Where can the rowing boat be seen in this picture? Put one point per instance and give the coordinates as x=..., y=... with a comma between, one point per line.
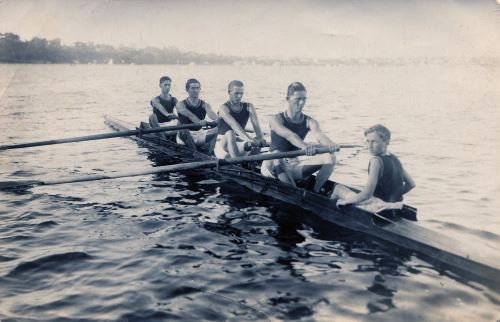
x=399, y=229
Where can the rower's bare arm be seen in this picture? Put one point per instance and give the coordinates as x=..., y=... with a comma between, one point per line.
x=229, y=119
x=255, y=122
x=155, y=102
x=409, y=182
x=181, y=109
x=210, y=113
x=319, y=134
x=369, y=188
x=282, y=131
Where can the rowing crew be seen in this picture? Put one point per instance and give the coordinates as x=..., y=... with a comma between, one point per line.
x=387, y=179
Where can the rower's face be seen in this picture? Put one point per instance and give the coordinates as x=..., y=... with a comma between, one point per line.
x=236, y=94
x=165, y=86
x=375, y=144
x=194, y=90
x=297, y=101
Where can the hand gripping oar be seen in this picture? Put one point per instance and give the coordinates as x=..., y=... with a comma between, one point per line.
x=102, y=136
x=168, y=168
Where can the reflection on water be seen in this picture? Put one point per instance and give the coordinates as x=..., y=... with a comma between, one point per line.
x=192, y=247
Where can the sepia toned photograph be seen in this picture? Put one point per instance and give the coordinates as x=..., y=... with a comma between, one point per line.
x=268, y=160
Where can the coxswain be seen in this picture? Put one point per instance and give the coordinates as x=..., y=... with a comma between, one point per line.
x=387, y=179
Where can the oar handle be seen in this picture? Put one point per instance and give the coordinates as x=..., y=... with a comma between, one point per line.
x=281, y=155
x=349, y=146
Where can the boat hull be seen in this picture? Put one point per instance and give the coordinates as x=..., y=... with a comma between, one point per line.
x=431, y=244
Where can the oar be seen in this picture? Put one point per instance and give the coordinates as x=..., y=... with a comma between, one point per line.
x=168, y=168
x=106, y=135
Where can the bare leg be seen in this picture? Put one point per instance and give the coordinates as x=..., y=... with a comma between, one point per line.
x=232, y=148
x=220, y=149
x=341, y=192
x=323, y=175
x=210, y=141
x=335, y=194
x=153, y=122
x=188, y=139
x=211, y=144
x=282, y=173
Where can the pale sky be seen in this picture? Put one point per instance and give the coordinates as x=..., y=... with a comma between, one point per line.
x=313, y=29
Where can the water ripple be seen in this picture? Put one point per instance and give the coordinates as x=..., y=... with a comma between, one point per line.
x=58, y=263
x=190, y=247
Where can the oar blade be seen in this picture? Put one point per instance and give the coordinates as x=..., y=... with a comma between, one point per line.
x=19, y=183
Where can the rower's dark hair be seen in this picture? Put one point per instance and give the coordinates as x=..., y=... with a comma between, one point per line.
x=234, y=83
x=381, y=130
x=191, y=81
x=165, y=78
x=294, y=87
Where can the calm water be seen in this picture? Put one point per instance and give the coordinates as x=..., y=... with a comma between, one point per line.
x=169, y=247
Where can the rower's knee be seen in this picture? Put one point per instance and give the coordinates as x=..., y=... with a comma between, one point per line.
x=332, y=159
x=186, y=137
x=153, y=121
x=211, y=138
x=229, y=136
x=335, y=194
x=279, y=167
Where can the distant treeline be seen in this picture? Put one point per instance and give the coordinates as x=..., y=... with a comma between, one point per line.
x=39, y=50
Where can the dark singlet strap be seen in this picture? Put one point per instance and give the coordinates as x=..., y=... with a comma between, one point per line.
x=301, y=128
x=241, y=117
x=198, y=110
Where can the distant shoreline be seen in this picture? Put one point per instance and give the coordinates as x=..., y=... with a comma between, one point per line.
x=13, y=50
x=284, y=63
